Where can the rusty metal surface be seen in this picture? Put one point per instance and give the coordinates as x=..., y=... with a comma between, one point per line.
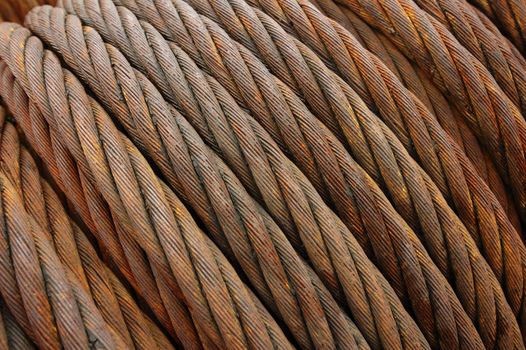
x=277, y=174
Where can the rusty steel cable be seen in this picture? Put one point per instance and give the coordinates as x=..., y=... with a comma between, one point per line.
x=324, y=295
x=382, y=92
x=415, y=80
x=230, y=277
x=513, y=265
x=44, y=296
x=139, y=182
x=11, y=335
x=488, y=47
x=489, y=25
x=514, y=123
x=74, y=248
x=90, y=190
x=509, y=16
x=227, y=173
x=93, y=49
x=114, y=238
x=492, y=116
x=242, y=201
x=192, y=189
x=89, y=204
x=476, y=206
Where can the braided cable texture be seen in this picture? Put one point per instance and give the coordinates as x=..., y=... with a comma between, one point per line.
x=73, y=247
x=136, y=172
x=97, y=21
x=509, y=16
x=493, y=117
x=491, y=231
x=11, y=335
x=64, y=315
x=89, y=204
x=120, y=65
x=366, y=271
x=415, y=80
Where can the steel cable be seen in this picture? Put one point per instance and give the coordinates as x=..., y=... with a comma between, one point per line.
x=45, y=297
x=149, y=98
x=480, y=210
x=489, y=47
x=506, y=114
x=509, y=16
x=493, y=117
x=250, y=214
x=74, y=249
x=163, y=83
x=397, y=108
x=235, y=169
x=115, y=63
x=11, y=335
x=229, y=276
x=415, y=80
x=192, y=187
x=143, y=190
x=90, y=190
x=114, y=238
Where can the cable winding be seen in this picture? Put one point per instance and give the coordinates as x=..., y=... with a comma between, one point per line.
x=488, y=47
x=115, y=63
x=123, y=34
x=509, y=15
x=63, y=315
x=358, y=274
x=11, y=335
x=113, y=237
x=495, y=120
x=127, y=172
x=474, y=206
x=74, y=249
x=415, y=80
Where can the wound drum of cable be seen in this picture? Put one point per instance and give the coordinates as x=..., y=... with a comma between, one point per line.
x=279, y=174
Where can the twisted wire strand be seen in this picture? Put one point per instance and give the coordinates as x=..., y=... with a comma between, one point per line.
x=415, y=80
x=457, y=309
x=465, y=201
x=11, y=335
x=151, y=58
x=509, y=16
x=45, y=297
x=489, y=25
x=276, y=332
x=476, y=206
x=135, y=194
x=486, y=46
x=236, y=188
x=113, y=238
x=286, y=255
x=115, y=303
x=365, y=295
x=312, y=27
x=418, y=130
x=92, y=48
x=494, y=119
x=379, y=89
x=489, y=47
